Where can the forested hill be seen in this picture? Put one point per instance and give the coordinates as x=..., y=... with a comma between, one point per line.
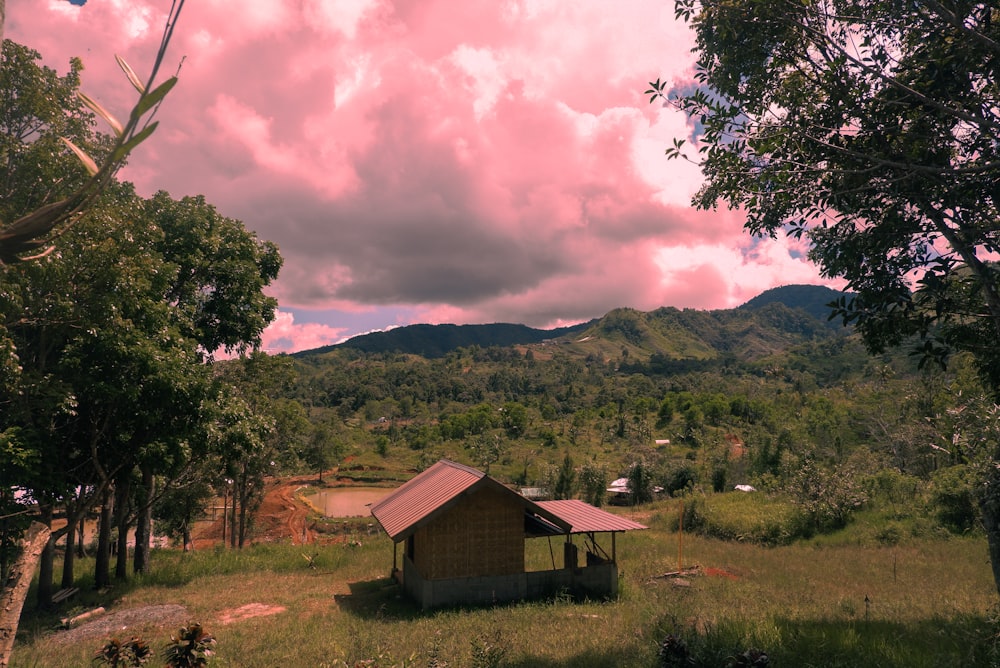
x=813, y=299
x=773, y=321
x=434, y=341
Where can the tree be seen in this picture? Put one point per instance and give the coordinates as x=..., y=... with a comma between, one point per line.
x=323, y=449
x=514, y=417
x=564, y=484
x=594, y=483
x=252, y=425
x=35, y=228
x=640, y=482
x=38, y=107
x=873, y=130
x=62, y=205
x=143, y=301
x=487, y=449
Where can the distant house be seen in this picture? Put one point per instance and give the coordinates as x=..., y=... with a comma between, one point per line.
x=535, y=493
x=463, y=535
x=620, y=494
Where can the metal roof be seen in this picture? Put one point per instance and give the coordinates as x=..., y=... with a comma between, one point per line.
x=419, y=497
x=418, y=500
x=585, y=518
x=432, y=491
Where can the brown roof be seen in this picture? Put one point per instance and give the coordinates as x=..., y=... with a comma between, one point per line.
x=421, y=498
x=418, y=500
x=585, y=518
x=423, y=494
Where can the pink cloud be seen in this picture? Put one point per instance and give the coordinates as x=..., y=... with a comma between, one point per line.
x=285, y=335
x=472, y=162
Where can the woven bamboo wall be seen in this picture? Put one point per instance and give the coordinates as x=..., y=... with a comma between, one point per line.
x=482, y=535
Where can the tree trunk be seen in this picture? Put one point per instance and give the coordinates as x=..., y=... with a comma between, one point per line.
x=990, y=509
x=243, y=491
x=16, y=587
x=46, y=564
x=144, y=521
x=243, y=521
x=81, y=536
x=122, y=490
x=70, y=554
x=232, y=511
x=225, y=515
x=186, y=535
x=102, y=561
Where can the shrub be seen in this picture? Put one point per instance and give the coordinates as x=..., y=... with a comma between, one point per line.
x=118, y=654
x=954, y=498
x=192, y=647
x=827, y=495
x=679, y=478
x=755, y=518
x=673, y=652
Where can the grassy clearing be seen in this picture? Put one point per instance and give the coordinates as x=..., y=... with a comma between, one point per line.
x=929, y=603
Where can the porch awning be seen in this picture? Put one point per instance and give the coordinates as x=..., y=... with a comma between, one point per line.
x=581, y=517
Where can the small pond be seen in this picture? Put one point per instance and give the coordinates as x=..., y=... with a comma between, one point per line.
x=347, y=501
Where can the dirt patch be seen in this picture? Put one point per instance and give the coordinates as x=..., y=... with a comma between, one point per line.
x=281, y=516
x=249, y=611
x=126, y=623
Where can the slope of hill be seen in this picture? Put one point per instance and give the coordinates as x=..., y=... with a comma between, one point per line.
x=699, y=335
x=437, y=340
x=813, y=299
x=773, y=321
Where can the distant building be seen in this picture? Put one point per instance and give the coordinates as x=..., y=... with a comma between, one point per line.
x=535, y=493
x=463, y=535
x=619, y=493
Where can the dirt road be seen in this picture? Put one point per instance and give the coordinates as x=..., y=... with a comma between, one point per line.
x=281, y=516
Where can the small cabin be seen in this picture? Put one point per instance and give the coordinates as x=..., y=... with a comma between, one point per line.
x=463, y=537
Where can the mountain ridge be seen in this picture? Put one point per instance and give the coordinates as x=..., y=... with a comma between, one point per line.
x=769, y=322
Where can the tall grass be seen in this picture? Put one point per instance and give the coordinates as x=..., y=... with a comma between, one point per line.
x=925, y=601
x=754, y=518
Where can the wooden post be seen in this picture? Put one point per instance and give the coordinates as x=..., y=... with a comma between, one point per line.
x=680, y=540
x=16, y=588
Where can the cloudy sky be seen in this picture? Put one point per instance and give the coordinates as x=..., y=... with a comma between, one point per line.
x=428, y=161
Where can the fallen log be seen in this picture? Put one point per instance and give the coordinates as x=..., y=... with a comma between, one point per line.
x=683, y=573
x=70, y=622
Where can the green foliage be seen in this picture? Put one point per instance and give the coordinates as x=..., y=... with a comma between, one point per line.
x=53, y=116
x=487, y=449
x=954, y=497
x=640, y=482
x=873, y=130
x=182, y=504
x=489, y=650
x=678, y=478
x=120, y=654
x=746, y=517
x=38, y=107
x=827, y=495
x=514, y=418
x=594, y=483
x=904, y=158
x=565, y=484
x=190, y=648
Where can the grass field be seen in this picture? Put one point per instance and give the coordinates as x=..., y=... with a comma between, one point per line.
x=926, y=601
